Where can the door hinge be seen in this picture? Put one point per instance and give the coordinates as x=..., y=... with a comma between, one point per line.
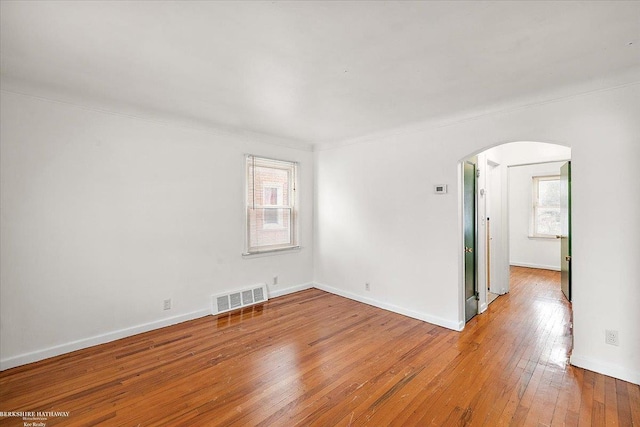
x=477, y=296
x=477, y=173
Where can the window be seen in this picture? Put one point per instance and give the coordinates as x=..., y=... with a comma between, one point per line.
x=546, y=206
x=271, y=213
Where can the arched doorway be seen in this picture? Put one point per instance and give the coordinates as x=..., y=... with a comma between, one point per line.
x=485, y=211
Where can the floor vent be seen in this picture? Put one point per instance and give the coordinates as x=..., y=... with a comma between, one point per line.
x=238, y=299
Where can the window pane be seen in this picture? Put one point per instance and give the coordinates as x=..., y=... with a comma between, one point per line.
x=549, y=192
x=271, y=215
x=264, y=178
x=548, y=221
x=270, y=196
x=270, y=227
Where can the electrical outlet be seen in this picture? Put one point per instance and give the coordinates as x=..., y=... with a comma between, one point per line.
x=275, y=280
x=367, y=287
x=611, y=337
x=167, y=304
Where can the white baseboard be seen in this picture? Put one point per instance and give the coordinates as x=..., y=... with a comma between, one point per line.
x=540, y=266
x=274, y=293
x=605, y=368
x=456, y=326
x=57, y=350
x=483, y=307
x=35, y=356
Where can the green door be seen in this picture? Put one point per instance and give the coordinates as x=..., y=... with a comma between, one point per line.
x=565, y=222
x=469, y=220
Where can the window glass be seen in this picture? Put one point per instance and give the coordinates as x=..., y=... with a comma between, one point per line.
x=546, y=206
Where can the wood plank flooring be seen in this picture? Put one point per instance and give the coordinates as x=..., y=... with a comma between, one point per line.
x=312, y=358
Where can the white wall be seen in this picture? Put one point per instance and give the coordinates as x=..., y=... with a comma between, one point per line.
x=526, y=251
x=497, y=212
x=527, y=152
x=104, y=216
x=378, y=221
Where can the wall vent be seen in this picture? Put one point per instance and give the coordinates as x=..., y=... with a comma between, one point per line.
x=238, y=299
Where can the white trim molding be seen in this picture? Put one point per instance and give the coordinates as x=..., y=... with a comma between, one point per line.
x=605, y=368
x=274, y=293
x=45, y=353
x=539, y=266
x=425, y=317
x=35, y=356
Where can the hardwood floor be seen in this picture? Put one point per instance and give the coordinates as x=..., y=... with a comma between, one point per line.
x=313, y=358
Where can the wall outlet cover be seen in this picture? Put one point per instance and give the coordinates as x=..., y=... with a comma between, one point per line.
x=611, y=337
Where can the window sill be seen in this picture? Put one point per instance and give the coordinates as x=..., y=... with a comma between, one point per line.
x=271, y=252
x=543, y=237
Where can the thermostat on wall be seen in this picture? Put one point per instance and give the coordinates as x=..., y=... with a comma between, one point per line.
x=440, y=189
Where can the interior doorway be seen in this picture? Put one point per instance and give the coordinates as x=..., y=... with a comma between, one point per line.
x=495, y=238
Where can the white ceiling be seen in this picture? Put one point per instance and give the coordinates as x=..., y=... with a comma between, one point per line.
x=312, y=71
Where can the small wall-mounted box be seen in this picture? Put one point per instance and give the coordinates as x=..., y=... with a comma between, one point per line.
x=440, y=189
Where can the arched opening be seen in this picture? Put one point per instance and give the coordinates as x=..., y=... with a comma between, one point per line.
x=511, y=215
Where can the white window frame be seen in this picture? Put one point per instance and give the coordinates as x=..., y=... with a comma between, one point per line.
x=252, y=162
x=536, y=205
